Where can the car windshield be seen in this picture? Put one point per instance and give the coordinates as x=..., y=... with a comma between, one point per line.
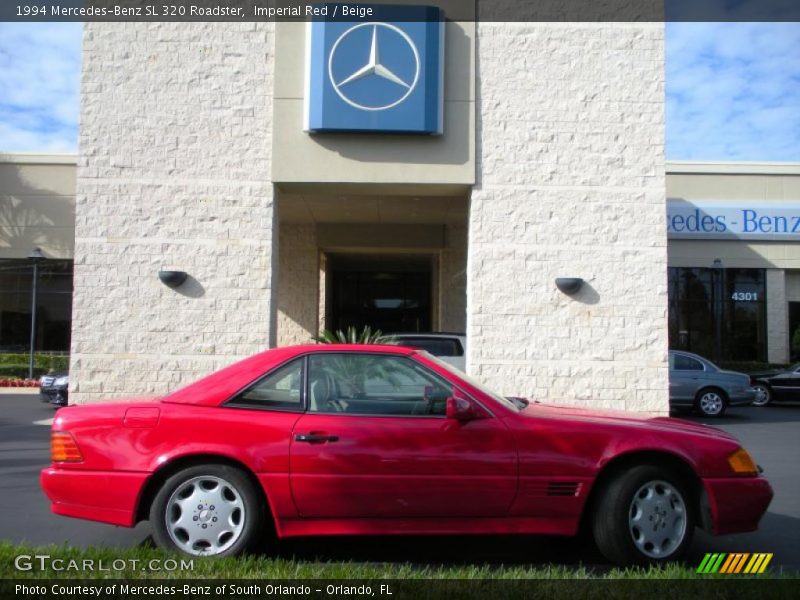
x=473, y=382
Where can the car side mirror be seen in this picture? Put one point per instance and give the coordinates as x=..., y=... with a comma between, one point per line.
x=461, y=409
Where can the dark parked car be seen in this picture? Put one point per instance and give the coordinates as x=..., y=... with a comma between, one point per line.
x=774, y=386
x=53, y=388
x=699, y=384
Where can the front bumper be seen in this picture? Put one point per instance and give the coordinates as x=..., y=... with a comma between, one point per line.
x=742, y=397
x=737, y=504
x=105, y=496
x=57, y=396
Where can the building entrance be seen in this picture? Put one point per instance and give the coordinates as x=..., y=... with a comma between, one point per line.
x=392, y=293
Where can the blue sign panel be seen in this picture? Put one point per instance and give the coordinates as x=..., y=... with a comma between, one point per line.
x=376, y=76
x=733, y=220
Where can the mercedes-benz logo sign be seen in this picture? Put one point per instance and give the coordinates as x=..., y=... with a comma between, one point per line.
x=396, y=88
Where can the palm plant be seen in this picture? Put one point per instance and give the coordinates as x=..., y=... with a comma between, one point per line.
x=353, y=336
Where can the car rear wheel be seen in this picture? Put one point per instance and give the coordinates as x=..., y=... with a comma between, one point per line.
x=763, y=394
x=644, y=516
x=711, y=403
x=207, y=510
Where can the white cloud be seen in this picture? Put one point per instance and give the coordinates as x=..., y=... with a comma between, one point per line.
x=39, y=86
x=733, y=91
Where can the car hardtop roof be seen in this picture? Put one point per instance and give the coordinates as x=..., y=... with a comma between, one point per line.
x=691, y=354
x=386, y=348
x=708, y=363
x=228, y=380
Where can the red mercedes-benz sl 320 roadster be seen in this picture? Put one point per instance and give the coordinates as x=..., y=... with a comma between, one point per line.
x=368, y=439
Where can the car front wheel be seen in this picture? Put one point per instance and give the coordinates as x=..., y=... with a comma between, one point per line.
x=643, y=516
x=207, y=510
x=763, y=395
x=711, y=403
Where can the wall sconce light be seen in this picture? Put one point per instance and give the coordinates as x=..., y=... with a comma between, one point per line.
x=172, y=278
x=569, y=285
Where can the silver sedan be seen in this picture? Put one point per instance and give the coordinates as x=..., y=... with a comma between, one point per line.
x=697, y=383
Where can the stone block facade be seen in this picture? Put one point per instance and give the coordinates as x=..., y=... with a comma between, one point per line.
x=174, y=173
x=571, y=184
x=778, y=334
x=298, y=287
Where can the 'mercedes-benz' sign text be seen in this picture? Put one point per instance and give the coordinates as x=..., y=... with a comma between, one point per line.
x=754, y=221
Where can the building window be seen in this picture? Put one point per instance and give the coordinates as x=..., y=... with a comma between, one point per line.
x=718, y=313
x=53, y=301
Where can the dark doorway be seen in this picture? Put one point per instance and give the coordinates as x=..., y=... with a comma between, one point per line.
x=389, y=292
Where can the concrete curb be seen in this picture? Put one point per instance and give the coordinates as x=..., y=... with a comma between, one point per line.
x=18, y=390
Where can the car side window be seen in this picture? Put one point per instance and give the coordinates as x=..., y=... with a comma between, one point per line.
x=685, y=363
x=374, y=384
x=279, y=389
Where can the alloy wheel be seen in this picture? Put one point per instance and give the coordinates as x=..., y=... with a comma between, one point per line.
x=205, y=515
x=763, y=395
x=657, y=519
x=711, y=404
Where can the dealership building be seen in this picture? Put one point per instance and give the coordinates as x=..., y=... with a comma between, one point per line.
x=411, y=176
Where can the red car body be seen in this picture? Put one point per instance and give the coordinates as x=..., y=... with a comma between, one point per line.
x=528, y=470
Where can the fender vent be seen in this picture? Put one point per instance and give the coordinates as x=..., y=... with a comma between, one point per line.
x=563, y=488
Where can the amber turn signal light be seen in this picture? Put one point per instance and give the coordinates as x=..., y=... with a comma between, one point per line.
x=741, y=462
x=63, y=447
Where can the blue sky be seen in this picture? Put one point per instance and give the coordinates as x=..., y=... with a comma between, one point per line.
x=733, y=89
x=39, y=79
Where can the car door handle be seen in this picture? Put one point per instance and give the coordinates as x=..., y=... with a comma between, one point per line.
x=315, y=438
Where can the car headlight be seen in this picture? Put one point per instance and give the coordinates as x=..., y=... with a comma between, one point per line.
x=61, y=381
x=741, y=462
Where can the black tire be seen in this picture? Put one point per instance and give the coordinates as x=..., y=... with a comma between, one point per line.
x=764, y=395
x=612, y=526
x=235, y=484
x=708, y=398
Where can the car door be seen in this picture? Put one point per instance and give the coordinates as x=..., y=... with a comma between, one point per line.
x=375, y=442
x=685, y=378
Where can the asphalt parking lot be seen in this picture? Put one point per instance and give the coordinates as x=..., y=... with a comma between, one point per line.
x=772, y=435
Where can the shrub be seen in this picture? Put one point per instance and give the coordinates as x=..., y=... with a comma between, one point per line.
x=353, y=336
x=16, y=364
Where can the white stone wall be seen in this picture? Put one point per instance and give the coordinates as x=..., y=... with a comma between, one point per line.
x=778, y=335
x=298, y=287
x=571, y=167
x=174, y=172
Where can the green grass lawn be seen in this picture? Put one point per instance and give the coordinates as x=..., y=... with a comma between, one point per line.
x=255, y=577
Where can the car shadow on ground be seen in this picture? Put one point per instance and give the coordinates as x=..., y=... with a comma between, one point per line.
x=516, y=550
x=783, y=413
